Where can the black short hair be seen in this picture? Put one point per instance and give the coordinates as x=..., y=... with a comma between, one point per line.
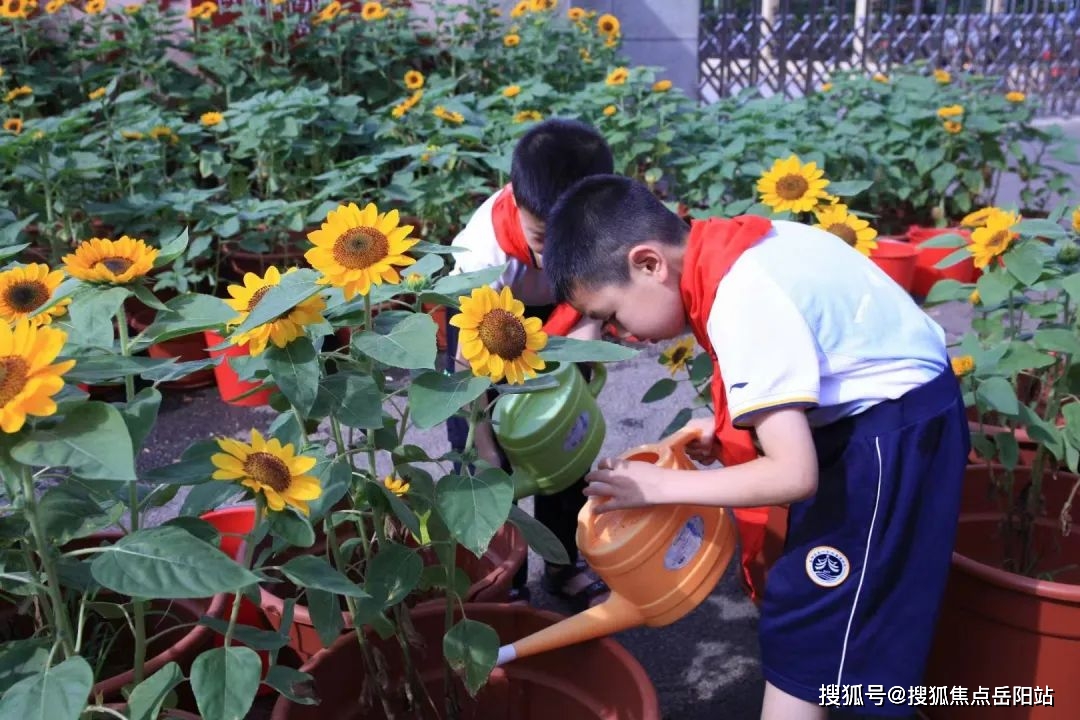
x=595, y=223
x=551, y=157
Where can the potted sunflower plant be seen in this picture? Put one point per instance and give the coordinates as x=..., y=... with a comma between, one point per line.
x=1014, y=590
x=370, y=542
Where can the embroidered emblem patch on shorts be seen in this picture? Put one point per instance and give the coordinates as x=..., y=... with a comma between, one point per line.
x=826, y=566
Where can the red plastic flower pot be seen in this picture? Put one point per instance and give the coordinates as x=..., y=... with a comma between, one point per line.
x=233, y=390
x=925, y=272
x=897, y=258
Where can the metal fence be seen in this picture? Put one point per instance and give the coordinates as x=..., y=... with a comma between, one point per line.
x=790, y=47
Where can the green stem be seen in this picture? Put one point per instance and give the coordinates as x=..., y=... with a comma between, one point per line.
x=52, y=577
x=249, y=553
x=125, y=350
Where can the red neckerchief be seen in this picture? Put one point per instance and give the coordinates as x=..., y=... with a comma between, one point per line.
x=511, y=238
x=712, y=248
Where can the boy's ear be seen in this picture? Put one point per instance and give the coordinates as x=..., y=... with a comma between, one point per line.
x=648, y=259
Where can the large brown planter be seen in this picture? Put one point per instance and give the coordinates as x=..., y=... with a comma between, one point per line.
x=998, y=629
x=491, y=575
x=588, y=681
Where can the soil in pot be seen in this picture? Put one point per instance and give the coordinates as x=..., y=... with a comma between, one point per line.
x=491, y=576
x=998, y=629
x=588, y=681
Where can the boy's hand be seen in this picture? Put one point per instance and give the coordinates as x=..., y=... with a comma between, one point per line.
x=628, y=484
x=703, y=449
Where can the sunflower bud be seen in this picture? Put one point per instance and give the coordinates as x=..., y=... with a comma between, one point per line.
x=1069, y=254
x=415, y=282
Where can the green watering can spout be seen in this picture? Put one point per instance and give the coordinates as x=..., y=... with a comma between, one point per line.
x=552, y=436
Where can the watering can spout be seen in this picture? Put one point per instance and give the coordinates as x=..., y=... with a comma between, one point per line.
x=611, y=616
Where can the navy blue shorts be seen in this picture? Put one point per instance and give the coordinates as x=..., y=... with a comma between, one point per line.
x=854, y=599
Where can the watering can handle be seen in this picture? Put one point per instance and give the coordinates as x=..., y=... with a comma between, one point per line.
x=681, y=438
x=599, y=378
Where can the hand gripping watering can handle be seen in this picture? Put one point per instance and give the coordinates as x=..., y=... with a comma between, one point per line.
x=599, y=378
x=681, y=438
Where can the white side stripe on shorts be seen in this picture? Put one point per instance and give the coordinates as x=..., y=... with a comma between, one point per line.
x=866, y=559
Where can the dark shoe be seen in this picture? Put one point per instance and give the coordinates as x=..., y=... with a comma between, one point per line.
x=559, y=581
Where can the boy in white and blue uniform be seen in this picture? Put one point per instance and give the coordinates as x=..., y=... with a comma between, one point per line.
x=846, y=386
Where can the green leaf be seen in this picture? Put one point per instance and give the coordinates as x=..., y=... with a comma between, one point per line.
x=849, y=188
x=561, y=349
x=355, y=400
x=193, y=468
x=994, y=286
x=1008, y=450
x=295, y=369
x=393, y=573
x=21, y=659
x=1039, y=227
x=947, y=290
x=172, y=249
x=114, y=368
x=56, y=693
x=471, y=649
x=148, y=696
x=68, y=514
x=335, y=476
x=954, y=258
x=410, y=343
x=539, y=537
x=188, y=314
x=1022, y=356
x=1058, y=340
x=455, y=286
x=474, y=508
x=325, y=614
x=434, y=397
x=1071, y=285
x=1025, y=263
x=681, y=418
x=292, y=527
x=141, y=414
x=294, y=288
x=997, y=394
x=92, y=314
x=10, y=251
x=946, y=240
x=291, y=683
x=247, y=635
x=92, y=440
x=148, y=298
x=168, y=562
x=209, y=496
x=225, y=681
x=310, y=571
x=660, y=389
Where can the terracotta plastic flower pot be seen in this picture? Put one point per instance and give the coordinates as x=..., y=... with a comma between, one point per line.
x=594, y=680
x=1000, y=629
x=925, y=272
x=897, y=258
x=238, y=521
x=491, y=575
x=233, y=390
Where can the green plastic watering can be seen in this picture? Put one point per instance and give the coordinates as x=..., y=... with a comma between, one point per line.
x=551, y=436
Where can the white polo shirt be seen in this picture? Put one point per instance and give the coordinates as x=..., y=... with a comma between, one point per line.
x=803, y=319
x=529, y=284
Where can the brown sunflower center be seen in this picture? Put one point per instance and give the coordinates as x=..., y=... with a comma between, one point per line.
x=607, y=27
x=27, y=296
x=679, y=356
x=845, y=232
x=269, y=470
x=361, y=247
x=792, y=187
x=256, y=297
x=116, y=265
x=13, y=369
x=999, y=240
x=503, y=334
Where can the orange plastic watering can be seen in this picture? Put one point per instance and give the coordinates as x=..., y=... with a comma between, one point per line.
x=660, y=562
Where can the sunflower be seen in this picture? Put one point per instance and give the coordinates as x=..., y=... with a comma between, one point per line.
x=962, y=365
x=994, y=238
x=942, y=76
x=24, y=289
x=94, y=7
x=355, y=249
x=611, y=41
x=283, y=329
x=203, y=11
x=96, y=94
x=17, y=8
x=610, y=110
x=1015, y=97
x=396, y=485
x=980, y=217
x=950, y=111
x=1076, y=219
x=27, y=380
x=18, y=93
x=448, y=115
x=952, y=127
x=881, y=78
x=329, y=12
x=528, y=116
x=131, y=135
x=520, y=9
x=54, y=6
x=210, y=119
x=661, y=86
x=585, y=56
x=268, y=467
x=132, y=9
x=852, y=229
x=512, y=40
x=511, y=91
x=161, y=132
x=542, y=5
x=496, y=337
x=13, y=125
x=576, y=14
x=373, y=11
x=414, y=80
x=120, y=262
x=608, y=25
x=677, y=356
x=826, y=87
x=790, y=185
x=974, y=298
x=617, y=76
